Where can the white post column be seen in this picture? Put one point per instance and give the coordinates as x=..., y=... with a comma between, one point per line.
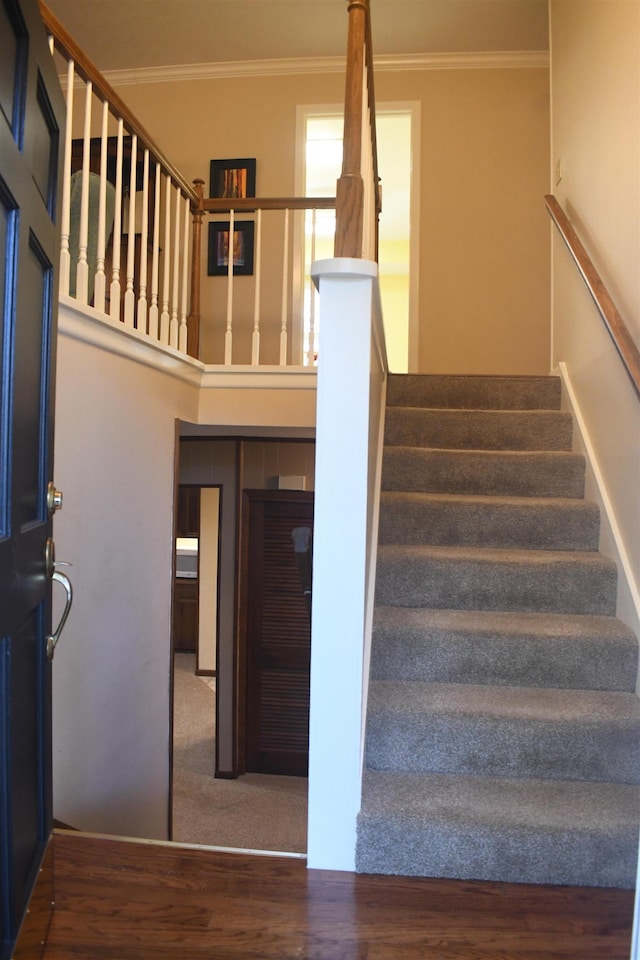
x=342, y=487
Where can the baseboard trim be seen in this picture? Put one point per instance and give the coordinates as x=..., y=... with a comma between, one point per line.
x=628, y=584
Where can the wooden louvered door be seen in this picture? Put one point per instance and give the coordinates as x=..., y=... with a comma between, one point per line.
x=278, y=636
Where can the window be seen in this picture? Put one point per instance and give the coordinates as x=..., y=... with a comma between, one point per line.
x=321, y=132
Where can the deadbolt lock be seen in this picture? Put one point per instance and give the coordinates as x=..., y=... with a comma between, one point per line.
x=54, y=498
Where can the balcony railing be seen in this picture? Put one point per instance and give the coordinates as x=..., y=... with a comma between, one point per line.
x=133, y=247
x=126, y=211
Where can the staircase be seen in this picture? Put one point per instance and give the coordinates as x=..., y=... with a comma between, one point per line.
x=502, y=729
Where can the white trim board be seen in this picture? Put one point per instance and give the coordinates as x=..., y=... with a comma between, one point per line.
x=82, y=322
x=628, y=589
x=502, y=60
x=180, y=845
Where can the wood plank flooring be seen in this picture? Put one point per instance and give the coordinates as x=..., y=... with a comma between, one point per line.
x=135, y=901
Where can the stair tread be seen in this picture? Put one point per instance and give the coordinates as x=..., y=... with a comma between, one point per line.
x=557, y=473
x=574, y=804
x=489, y=413
x=504, y=731
x=479, y=429
x=497, y=521
x=503, y=648
x=500, y=829
x=478, y=391
x=494, y=555
x=494, y=622
x=549, y=705
x=480, y=499
x=482, y=453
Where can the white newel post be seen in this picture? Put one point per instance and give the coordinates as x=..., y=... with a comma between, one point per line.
x=348, y=292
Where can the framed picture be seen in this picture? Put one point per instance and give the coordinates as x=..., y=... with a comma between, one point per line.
x=233, y=178
x=242, y=248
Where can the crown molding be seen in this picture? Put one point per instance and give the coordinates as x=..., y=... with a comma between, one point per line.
x=528, y=59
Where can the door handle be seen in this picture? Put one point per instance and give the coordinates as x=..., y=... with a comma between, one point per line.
x=61, y=578
x=52, y=639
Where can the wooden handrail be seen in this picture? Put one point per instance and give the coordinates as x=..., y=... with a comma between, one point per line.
x=66, y=45
x=624, y=343
x=249, y=204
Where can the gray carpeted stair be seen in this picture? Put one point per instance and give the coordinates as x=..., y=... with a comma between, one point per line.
x=502, y=722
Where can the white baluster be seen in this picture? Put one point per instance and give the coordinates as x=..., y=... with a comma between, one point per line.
x=65, y=259
x=153, y=309
x=82, y=267
x=285, y=292
x=255, y=340
x=114, y=293
x=228, y=336
x=312, y=294
x=144, y=243
x=173, y=326
x=182, y=331
x=164, y=315
x=129, y=295
x=100, y=283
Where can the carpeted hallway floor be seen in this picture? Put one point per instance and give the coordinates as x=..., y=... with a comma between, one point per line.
x=255, y=812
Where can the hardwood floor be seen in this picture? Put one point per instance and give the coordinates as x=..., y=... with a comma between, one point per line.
x=135, y=901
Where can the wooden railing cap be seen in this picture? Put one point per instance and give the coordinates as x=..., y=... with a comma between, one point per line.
x=85, y=68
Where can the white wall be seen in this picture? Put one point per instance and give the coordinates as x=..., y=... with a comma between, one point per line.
x=595, y=96
x=114, y=461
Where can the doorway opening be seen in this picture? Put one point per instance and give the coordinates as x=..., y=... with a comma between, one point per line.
x=217, y=797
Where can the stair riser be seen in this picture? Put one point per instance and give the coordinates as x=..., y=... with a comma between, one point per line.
x=511, y=746
x=408, y=578
x=478, y=430
x=488, y=474
x=463, y=523
x=489, y=393
x=504, y=661
x=468, y=851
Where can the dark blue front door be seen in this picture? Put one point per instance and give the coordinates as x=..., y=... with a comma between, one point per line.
x=31, y=134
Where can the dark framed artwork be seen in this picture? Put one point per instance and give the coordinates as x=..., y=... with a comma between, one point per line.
x=233, y=179
x=242, y=248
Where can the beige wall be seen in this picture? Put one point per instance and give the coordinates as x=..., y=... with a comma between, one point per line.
x=596, y=136
x=484, y=278
x=114, y=461
x=596, y=142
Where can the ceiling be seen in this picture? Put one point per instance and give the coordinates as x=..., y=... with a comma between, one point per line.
x=122, y=34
